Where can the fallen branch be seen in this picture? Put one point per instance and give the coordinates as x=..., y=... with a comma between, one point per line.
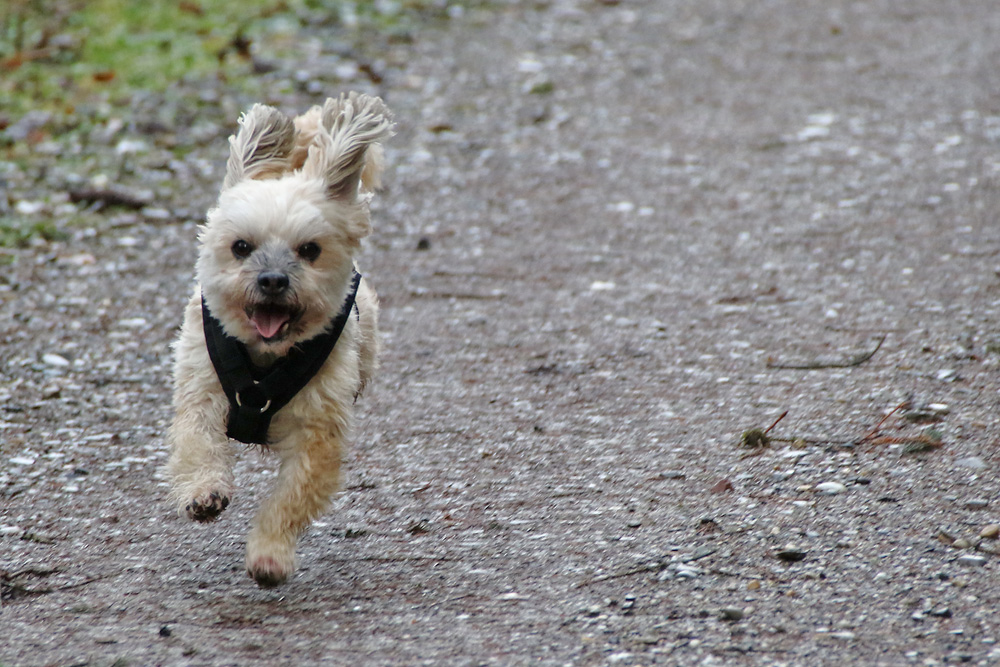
x=758, y=439
x=856, y=360
x=111, y=197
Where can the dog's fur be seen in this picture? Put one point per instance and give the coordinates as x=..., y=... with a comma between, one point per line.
x=288, y=183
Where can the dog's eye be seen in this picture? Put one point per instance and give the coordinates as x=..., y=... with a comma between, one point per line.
x=242, y=249
x=309, y=251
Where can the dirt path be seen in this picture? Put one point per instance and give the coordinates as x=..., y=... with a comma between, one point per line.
x=607, y=225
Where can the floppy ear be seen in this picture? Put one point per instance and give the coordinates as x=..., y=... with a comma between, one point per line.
x=354, y=124
x=262, y=147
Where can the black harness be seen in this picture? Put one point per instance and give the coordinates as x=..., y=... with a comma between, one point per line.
x=255, y=394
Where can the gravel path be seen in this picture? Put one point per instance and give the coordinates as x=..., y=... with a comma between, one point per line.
x=609, y=228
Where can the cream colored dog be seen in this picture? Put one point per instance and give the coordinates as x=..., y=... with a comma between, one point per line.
x=276, y=280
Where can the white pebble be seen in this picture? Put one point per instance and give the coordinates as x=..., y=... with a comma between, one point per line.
x=55, y=360
x=971, y=559
x=830, y=488
x=25, y=207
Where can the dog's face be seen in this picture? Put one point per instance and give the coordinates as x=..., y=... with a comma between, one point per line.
x=276, y=254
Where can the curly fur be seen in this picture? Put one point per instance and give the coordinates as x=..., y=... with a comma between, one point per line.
x=288, y=183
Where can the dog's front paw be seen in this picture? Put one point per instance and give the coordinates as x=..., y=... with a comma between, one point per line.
x=268, y=572
x=207, y=508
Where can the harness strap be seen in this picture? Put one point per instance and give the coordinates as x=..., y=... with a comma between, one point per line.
x=256, y=395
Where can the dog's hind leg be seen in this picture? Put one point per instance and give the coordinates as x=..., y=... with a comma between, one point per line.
x=308, y=477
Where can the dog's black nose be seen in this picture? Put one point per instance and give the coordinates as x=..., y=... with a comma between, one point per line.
x=272, y=282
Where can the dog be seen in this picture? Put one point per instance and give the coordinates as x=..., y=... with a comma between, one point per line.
x=281, y=334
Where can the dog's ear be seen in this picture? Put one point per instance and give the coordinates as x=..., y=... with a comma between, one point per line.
x=347, y=155
x=262, y=147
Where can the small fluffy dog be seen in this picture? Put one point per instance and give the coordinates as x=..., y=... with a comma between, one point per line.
x=280, y=336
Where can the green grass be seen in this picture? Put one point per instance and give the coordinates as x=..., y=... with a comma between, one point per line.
x=81, y=62
x=17, y=232
x=55, y=54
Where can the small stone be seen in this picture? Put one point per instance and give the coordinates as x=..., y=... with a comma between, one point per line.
x=419, y=528
x=56, y=360
x=944, y=537
x=990, y=532
x=51, y=391
x=512, y=596
x=424, y=243
x=753, y=585
x=940, y=612
x=977, y=504
x=731, y=614
x=165, y=631
x=722, y=486
x=687, y=572
x=973, y=462
x=972, y=560
x=961, y=543
x=830, y=488
x=791, y=554
x=947, y=375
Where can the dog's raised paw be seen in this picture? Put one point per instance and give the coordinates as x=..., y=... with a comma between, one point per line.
x=267, y=572
x=207, y=509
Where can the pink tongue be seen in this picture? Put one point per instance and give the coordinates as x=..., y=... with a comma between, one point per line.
x=268, y=322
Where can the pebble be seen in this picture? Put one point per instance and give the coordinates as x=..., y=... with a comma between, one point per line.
x=961, y=543
x=990, y=532
x=973, y=560
x=830, y=488
x=55, y=360
x=791, y=554
x=9, y=530
x=947, y=375
x=973, y=462
x=687, y=571
x=977, y=504
x=731, y=614
x=753, y=585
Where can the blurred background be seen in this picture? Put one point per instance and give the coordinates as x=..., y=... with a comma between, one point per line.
x=72, y=70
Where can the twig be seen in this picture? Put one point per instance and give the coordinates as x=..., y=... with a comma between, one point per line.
x=856, y=360
x=878, y=426
x=24, y=590
x=655, y=566
x=111, y=196
x=775, y=422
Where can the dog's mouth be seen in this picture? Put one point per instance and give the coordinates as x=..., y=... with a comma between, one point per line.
x=272, y=321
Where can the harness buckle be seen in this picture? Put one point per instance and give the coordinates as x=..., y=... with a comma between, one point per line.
x=239, y=403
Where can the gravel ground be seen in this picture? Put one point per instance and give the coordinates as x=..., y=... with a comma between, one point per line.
x=609, y=229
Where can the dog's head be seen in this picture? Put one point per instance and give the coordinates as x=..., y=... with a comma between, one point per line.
x=276, y=253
